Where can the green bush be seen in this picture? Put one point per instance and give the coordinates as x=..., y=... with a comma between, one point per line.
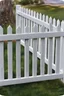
x=26, y=2
x=36, y=1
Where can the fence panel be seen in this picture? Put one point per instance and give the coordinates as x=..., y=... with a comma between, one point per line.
x=31, y=19
x=26, y=37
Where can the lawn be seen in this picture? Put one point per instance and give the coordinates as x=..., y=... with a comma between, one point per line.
x=53, y=11
x=44, y=88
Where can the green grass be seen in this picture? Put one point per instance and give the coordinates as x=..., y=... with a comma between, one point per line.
x=44, y=88
x=53, y=11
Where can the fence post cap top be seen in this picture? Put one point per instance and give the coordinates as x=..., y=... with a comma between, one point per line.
x=62, y=21
x=58, y=22
x=54, y=19
x=18, y=6
x=9, y=26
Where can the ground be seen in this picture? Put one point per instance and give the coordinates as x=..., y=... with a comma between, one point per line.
x=50, y=10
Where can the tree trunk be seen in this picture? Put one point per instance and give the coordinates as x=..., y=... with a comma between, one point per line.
x=7, y=16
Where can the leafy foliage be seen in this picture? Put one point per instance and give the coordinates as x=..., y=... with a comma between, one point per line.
x=26, y=2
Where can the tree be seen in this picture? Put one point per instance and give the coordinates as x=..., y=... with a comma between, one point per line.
x=7, y=16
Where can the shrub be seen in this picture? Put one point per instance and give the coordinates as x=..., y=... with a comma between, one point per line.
x=36, y=1
x=25, y=2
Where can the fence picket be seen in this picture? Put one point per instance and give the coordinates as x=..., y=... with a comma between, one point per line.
x=34, y=17
x=47, y=20
x=40, y=17
x=26, y=57
x=37, y=16
x=26, y=67
x=31, y=26
x=57, y=60
x=54, y=24
x=9, y=54
x=50, y=49
x=1, y=56
x=18, y=67
x=34, y=55
x=44, y=18
x=42, y=60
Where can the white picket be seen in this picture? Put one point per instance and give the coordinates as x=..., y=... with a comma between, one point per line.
x=26, y=67
x=31, y=25
x=10, y=75
x=50, y=43
x=40, y=17
x=57, y=60
x=1, y=56
x=54, y=24
x=44, y=18
x=24, y=22
x=29, y=21
x=34, y=17
x=26, y=18
x=18, y=50
x=26, y=55
x=34, y=55
x=42, y=60
x=47, y=20
x=37, y=16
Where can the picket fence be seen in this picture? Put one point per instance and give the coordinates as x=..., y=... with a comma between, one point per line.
x=40, y=35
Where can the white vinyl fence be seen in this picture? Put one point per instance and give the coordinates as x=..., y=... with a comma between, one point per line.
x=40, y=35
x=51, y=51
x=9, y=38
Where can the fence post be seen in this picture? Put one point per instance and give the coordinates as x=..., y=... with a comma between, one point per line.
x=18, y=21
x=62, y=53
x=50, y=43
x=18, y=59
x=26, y=53
x=57, y=55
x=1, y=56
